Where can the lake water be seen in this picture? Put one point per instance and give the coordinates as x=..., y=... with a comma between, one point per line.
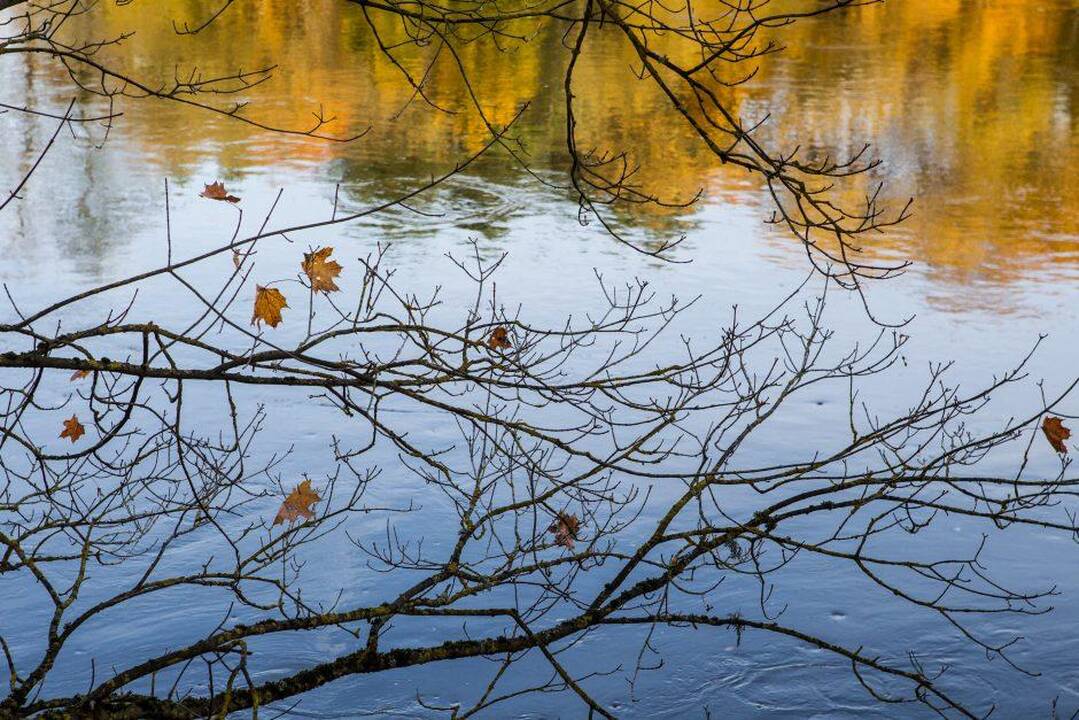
x=973, y=106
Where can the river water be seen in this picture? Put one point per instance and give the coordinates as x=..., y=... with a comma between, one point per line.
x=973, y=107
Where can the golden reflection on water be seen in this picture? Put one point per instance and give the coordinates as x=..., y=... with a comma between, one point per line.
x=972, y=105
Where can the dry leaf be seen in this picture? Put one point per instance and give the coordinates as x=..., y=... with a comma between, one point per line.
x=565, y=528
x=78, y=375
x=298, y=504
x=321, y=271
x=1056, y=433
x=499, y=339
x=73, y=429
x=268, y=305
x=216, y=191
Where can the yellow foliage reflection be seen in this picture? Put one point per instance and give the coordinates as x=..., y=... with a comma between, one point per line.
x=973, y=107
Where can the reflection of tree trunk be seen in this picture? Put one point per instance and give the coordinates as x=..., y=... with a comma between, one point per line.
x=21, y=210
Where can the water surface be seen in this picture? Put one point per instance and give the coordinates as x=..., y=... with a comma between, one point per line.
x=973, y=106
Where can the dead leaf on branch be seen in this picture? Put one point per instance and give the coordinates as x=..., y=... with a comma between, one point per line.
x=320, y=270
x=298, y=504
x=268, y=305
x=216, y=191
x=73, y=429
x=1056, y=433
x=239, y=256
x=78, y=375
x=499, y=339
x=565, y=529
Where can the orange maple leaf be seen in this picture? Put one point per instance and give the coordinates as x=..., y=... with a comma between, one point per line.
x=298, y=504
x=216, y=191
x=565, y=529
x=73, y=429
x=321, y=271
x=268, y=305
x=1056, y=433
x=78, y=375
x=499, y=339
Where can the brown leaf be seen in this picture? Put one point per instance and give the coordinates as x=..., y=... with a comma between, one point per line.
x=73, y=429
x=565, y=529
x=78, y=375
x=321, y=271
x=298, y=504
x=499, y=339
x=268, y=305
x=216, y=191
x=1056, y=433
